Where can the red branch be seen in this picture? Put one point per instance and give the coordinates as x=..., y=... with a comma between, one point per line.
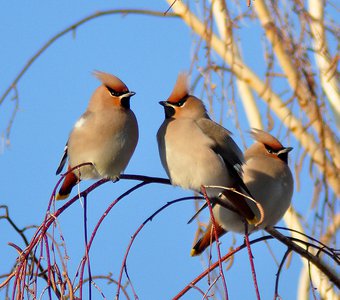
x=217, y=264
x=216, y=240
x=133, y=237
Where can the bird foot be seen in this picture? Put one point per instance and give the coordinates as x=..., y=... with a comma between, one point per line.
x=115, y=179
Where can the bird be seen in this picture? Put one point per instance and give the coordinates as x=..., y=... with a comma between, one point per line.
x=195, y=151
x=105, y=136
x=268, y=177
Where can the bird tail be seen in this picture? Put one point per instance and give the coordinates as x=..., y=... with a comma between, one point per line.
x=241, y=206
x=69, y=182
x=207, y=239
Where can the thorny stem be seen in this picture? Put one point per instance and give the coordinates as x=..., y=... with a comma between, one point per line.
x=133, y=237
x=49, y=220
x=109, y=279
x=216, y=240
x=22, y=235
x=217, y=264
x=290, y=242
x=88, y=246
x=87, y=250
x=276, y=295
x=332, y=276
x=310, y=238
x=39, y=236
x=251, y=260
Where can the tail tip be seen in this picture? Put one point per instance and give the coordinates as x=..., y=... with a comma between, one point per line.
x=253, y=221
x=197, y=249
x=193, y=252
x=61, y=197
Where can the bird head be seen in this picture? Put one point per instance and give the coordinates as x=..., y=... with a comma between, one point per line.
x=113, y=91
x=269, y=145
x=181, y=104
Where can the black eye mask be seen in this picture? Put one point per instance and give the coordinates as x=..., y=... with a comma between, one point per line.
x=180, y=102
x=169, y=111
x=115, y=93
x=125, y=102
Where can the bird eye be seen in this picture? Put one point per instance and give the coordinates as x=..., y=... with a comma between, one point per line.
x=180, y=103
x=269, y=150
x=113, y=92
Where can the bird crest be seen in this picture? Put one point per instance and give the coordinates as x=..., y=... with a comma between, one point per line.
x=181, y=88
x=266, y=139
x=111, y=81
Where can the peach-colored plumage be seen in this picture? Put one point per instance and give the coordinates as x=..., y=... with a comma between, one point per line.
x=270, y=181
x=196, y=151
x=106, y=135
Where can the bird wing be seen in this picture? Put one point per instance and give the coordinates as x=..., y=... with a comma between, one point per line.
x=80, y=123
x=63, y=160
x=224, y=144
x=233, y=158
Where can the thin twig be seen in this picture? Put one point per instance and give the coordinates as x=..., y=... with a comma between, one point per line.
x=214, y=226
x=332, y=276
x=133, y=237
x=251, y=260
x=258, y=204
x=216, y=264
x=73, y=27
x=276, y=294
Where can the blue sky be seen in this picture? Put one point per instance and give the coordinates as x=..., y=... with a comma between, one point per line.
x=147, y=53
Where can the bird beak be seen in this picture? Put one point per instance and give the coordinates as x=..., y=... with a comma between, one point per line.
x=168, y=109
x=129, y=94
x=285, y=150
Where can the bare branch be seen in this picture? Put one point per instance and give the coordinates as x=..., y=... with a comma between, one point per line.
x=244, y=73
x=332, y=276
x=73, y=27
x=330, y=85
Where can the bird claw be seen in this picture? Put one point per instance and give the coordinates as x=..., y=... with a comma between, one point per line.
x=115, y=179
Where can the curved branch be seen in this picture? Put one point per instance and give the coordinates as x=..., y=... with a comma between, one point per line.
x=7, y=217
x=89, y=244
x=40, y=234
x=109, y=279
x=133, y=237
x=276, y=296
x=332, y=276
x=216, y=264
x=325, y=289
x=74, y=27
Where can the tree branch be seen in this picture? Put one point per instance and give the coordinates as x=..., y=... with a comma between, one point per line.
x=74, y=27
x=332, y=276
x=226, y=34
x=329, y=84
x=244, y=73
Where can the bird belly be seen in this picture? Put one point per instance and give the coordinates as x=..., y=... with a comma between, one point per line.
x=109, y=154
x=194, y=170
x=271, y=188
x=188, y=158
x=229, y=220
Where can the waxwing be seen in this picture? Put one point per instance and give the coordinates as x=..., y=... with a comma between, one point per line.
x=106, y=135
x=270, y=181
x=196, y=151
